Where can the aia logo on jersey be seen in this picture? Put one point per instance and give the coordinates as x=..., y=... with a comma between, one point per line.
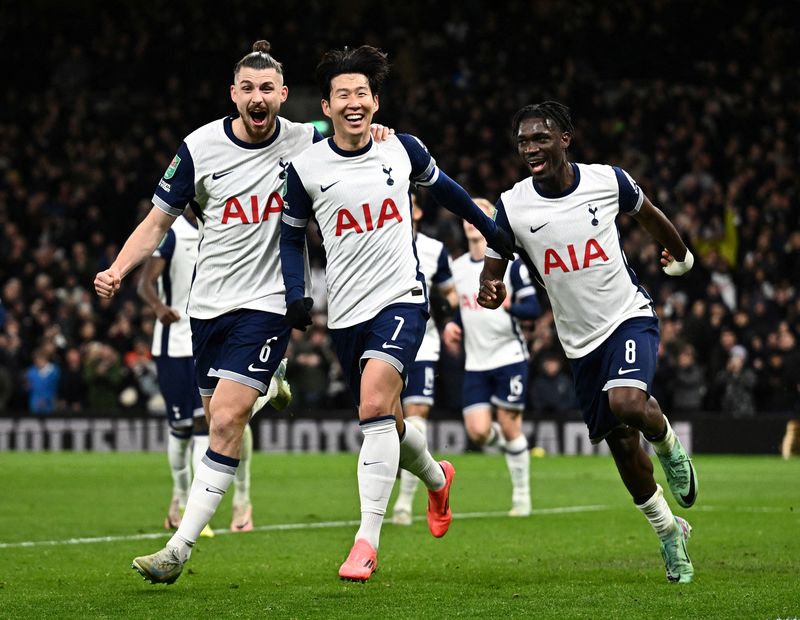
x=591, y=252
x=348, y=221
x=470, y=302
x=251, y=212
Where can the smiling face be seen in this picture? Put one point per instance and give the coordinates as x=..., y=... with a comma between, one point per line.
x=542, y=146
x=258, y=95
x=351, y=107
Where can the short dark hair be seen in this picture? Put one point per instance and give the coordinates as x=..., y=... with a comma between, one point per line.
x=366, y=60
x=259, y=58
x=553, y=110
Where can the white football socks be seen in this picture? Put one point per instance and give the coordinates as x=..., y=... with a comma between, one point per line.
x=212, y=478
x=199, y=449
x=377, y=468
x=241, y=483
x=415, y=458
x=658, y=513
x=409, y=481
x=180, y=468
x=518, y=460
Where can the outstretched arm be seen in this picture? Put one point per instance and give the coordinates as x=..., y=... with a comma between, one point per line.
x=137, y=248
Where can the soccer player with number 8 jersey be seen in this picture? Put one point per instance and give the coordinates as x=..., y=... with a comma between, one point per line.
x=563, y=220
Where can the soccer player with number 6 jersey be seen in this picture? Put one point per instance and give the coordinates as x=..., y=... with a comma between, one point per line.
x=563, y=220
x=496, y=364
x=358, y=192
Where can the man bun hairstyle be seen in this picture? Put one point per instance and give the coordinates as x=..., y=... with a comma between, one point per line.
x=259, y=58
x=366, y=60
x=552, y=110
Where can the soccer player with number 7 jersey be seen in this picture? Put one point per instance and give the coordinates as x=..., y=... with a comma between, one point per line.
x=563, y=219
x=358, y=192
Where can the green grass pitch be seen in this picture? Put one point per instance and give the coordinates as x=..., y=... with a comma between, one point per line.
x=71, y=523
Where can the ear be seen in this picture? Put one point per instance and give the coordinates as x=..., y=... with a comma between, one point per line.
x=566, y=139
x=326, y=108
x=233, y=93
x=377, y=103
x=284, y=93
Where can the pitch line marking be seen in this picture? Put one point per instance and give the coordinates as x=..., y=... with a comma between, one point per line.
x=281, y=527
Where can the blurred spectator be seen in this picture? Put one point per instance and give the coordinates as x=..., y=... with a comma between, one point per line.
x=736, y=384
x=72, y=392
x=309, y=369
x=104, y=377
x=688, y=384
x=552, y=389
x=42, y=384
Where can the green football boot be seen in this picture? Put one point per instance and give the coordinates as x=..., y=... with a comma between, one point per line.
x=680, y=474
x=673, y=550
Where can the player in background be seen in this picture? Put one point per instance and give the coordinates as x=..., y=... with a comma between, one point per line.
x=231, y=170
x=164, y=285
x=358, y=192
x=496, y=364
x=418, y=396
x=563, y=217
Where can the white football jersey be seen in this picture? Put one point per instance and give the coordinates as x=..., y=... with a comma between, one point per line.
x=236, y=189
x=436, y=266
x=492, y=338
x=179, y=250
x=573, y=241
x=360, y=199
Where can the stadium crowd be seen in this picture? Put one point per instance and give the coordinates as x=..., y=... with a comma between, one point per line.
x=101, y=95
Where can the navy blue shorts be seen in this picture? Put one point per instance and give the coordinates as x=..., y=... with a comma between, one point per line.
x=176, y=380
x=505, y=387
x=245, y=346
x=627, y=358
x=393, y=335
x=420, y=389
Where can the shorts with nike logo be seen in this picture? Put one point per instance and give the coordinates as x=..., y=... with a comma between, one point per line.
x=627, y=358
x=505, y=387
x=245, y=346
x=393, y=335
x=421, y=384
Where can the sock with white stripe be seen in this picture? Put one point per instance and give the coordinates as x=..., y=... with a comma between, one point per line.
x=212, y=478
x=664, y=442
x=415, y=458
x=377, y=468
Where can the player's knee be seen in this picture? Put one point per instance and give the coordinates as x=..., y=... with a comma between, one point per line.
x=628, y=405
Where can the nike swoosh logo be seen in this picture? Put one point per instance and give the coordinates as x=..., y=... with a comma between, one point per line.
x=219, y=175
x=372, y=463
x=533, y=230
x=512, y=399
x=427, y=392
x=252, y=368
x=625, y=372
x=215, y=491
x=325, y=188
x=386, y=345
x=689, y=498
